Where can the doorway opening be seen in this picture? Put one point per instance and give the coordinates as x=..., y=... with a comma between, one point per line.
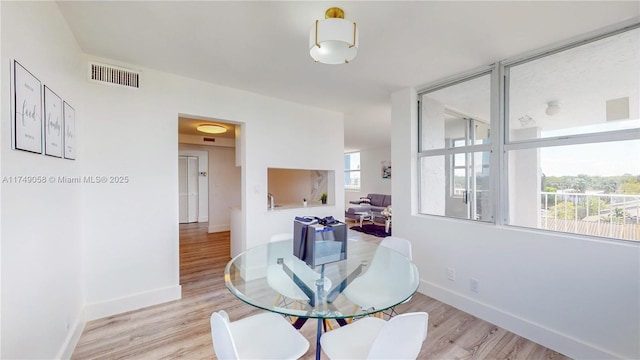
x=209, y=183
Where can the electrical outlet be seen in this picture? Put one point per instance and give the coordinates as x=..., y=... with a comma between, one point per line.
x=451, y=274
x=474, y=285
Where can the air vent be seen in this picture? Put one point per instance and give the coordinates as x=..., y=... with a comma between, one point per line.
x=114, y=75
x=206, y=139
x=618, y=109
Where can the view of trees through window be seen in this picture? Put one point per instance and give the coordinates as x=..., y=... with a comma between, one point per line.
x=563, y=193
x=573, y=140
x=569, y=160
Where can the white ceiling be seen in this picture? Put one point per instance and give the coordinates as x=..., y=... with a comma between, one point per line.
x=262, y=46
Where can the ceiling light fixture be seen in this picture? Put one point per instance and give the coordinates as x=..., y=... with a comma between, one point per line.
x=333, y=40
x=211, y=129
x=553, y=108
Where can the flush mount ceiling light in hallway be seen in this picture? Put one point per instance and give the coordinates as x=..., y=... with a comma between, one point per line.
x=211, y=129
x=333, y=40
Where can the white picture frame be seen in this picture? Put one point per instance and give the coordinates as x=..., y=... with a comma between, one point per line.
x=69, y=131
x=53, y=123
x=27, y=110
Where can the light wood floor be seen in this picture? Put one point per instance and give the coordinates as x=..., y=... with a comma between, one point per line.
x=180, y=329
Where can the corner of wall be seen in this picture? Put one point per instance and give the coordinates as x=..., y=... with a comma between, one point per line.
x=134, y=302
x=70, y=342
x=219, y=227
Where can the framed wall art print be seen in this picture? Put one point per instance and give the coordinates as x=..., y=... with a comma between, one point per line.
x=69, y=132
x=52, y=123
x=27, y=110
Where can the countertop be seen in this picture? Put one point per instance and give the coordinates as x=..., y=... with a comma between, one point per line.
x=279, y=207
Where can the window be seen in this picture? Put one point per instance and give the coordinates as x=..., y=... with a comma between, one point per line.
x=566, y=156
x=455, y=146
x=572, y=140
x=352, y=171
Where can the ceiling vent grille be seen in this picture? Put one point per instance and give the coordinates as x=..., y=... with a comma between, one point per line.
x=110, y=74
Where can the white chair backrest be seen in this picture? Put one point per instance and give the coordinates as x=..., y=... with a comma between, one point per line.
x=401, y=337
x=223, y=344
x=281, y=237
x=386, y=266
x=398, y=244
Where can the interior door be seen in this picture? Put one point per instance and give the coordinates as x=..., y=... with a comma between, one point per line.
x=188, y=189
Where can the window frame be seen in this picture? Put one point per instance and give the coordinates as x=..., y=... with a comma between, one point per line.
x=500, y=144
x=508, y=144
x=492, y=71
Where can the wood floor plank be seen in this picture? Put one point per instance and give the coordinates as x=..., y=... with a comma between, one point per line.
x=180, y=329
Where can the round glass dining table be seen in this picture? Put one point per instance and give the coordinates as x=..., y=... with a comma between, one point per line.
x=371, y=279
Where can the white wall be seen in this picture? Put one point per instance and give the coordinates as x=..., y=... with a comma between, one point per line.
x=130, y=232
x=580, y=297
x=131, y=219
x=41, y=223
x=223, y=181
x=525, y=181
x=371, y=174
x=433, y=168
x=114, y=247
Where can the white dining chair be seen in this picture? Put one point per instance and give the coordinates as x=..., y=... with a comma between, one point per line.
x=282, y=283
x=398, y=244
x=402, y=246
x=372, y=338
x=262, y=336
x=367, y=291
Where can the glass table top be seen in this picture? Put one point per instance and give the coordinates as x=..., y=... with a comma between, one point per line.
x=372, y=278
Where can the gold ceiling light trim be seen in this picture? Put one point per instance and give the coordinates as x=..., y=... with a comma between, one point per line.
x=212, y=129
x=318, y=45
x=334, y=13
x=354, y=36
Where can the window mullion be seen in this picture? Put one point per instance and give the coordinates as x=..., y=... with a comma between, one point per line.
x=456, y=150
x=499, y=179
x=618, y=135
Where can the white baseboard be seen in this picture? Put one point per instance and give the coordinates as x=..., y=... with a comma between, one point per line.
x=219, y=227
x=72, y=338
x=112, y=307
x=133, y=302
x=542, y=335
